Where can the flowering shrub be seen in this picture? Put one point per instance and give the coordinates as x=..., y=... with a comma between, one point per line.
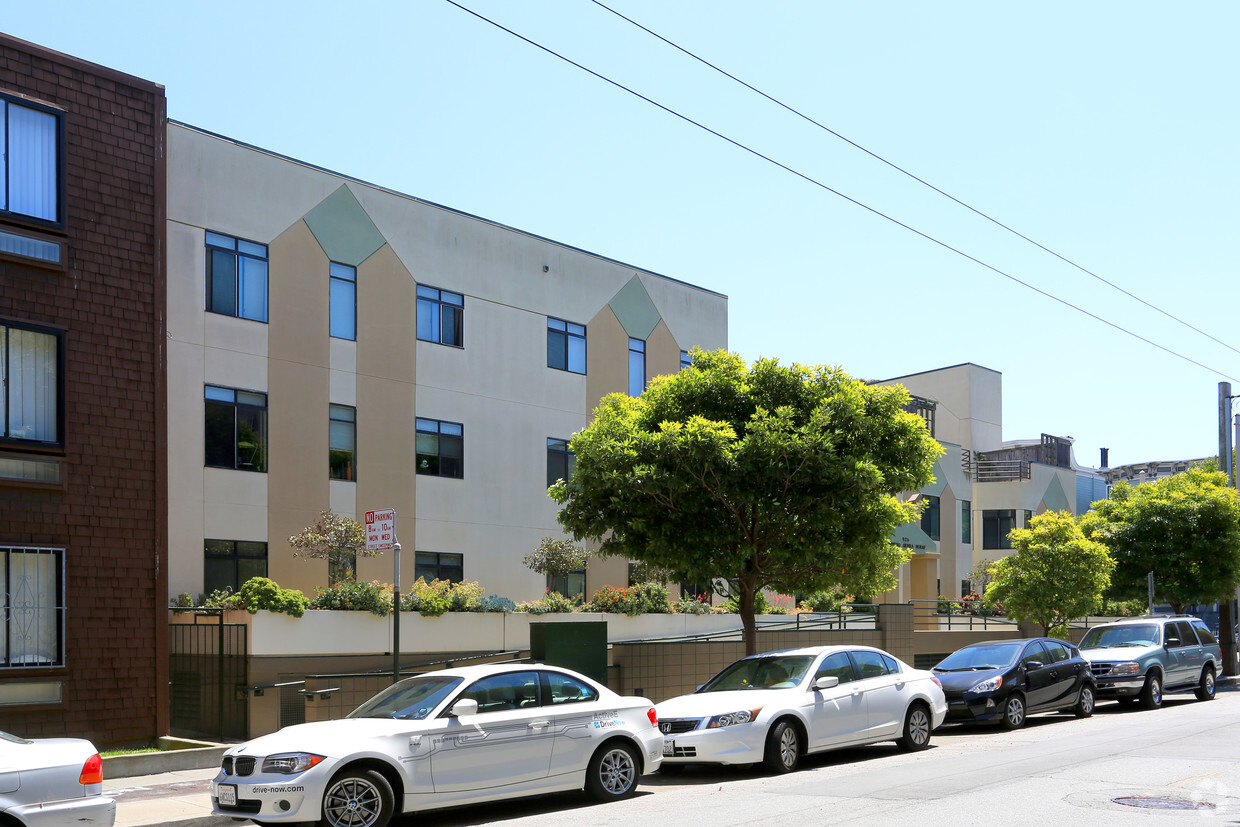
x=644, y=598
x=974, y=604
x=688, y=605
x=440, y=596
x=830, y=600
x=947, y=606
x=352, y=596
x=553, y=603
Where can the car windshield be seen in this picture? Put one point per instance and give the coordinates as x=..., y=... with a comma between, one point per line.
x=998, y=656
x=13, y=739
x=1135, y=634
x=763, y=672
x=411, y=699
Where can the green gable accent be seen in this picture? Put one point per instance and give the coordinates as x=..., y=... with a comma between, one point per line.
x=1055, y=499
x=343, y=229
x=911, y=536
x=938, y=485
x=635, y=310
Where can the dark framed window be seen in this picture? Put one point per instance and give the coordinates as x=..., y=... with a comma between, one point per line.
x=702, y=592
x=32, y=586
x=996, y=526
x=637, y=367
x=342, y=443
x=440, y=448
x=227, y=564
x=342, y=281
x=435, y=565
x=572, y=584
x=31, y=386
x=236, y=277
x=566, y=345
x=966, y=522
x=925, y=408
x=685, y=359
x=32, y=151
x=560, y=461
x=236, y=429
x=441, y=316
x=930, y=517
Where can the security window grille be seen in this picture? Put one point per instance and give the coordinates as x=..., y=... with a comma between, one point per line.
x=228, y=564
x=441, y=316
x=560, y=461
x=30, y=385
x=342, y=443
x=566, y=345
x=32, y=586
x=637, y=367
x=996, y=526
x=236, y=277
x=432, y=565
x=440, y=448
x=236, y=429
x=31, y=161
x=342, y=281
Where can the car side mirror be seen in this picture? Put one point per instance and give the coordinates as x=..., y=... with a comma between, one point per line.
x=1172, y=641
x=1034, y=664
x=463, y=708
x=825, y=682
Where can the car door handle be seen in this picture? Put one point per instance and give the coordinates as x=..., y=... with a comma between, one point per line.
x=539, y=724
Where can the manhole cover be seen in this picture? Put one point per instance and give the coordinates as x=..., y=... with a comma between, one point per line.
x=1162, y=803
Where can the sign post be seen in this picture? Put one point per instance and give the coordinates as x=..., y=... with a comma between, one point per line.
x=381, y=536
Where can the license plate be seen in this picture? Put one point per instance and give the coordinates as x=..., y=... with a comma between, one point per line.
x=227, y=795
x=669, y=747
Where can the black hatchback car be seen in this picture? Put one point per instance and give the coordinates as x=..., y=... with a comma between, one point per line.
x=1003, y=681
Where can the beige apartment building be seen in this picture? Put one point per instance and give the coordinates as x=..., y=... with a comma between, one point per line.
x=334, y=344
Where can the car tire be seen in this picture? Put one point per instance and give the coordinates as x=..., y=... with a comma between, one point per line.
x=1206, y=688
x=783, y=748
x=1013, y=712
x=613, y=772
x=1151, y=694
x=1085, y=702
x=917, y=726
x=358, y=798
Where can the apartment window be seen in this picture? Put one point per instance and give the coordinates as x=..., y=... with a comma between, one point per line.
x=343, y=284
x=342, y=443
x=572, y=584
x=431, y=565
x=440, y=448
x=30, y=384
x=685, y=359
x=236, y=277
x=925, y=408
x=701, y=592
x=32, y=586
x=637, y=367
x=966, y=522
x=930, y=517
x=566, y=345
x=228, y=564
x=441, y=316
x=31, y=160
x=236, y=426
x=560, y=461
x=996, y=526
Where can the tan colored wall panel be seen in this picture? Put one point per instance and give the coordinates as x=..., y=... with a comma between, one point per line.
x=607, y=358
x=662, y=352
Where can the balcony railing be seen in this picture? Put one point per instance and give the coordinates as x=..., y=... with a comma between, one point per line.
x=1001, y=470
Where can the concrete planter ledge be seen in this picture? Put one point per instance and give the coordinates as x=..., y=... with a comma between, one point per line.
x=174, y=754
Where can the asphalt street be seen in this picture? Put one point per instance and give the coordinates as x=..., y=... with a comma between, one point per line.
x=1123, y=766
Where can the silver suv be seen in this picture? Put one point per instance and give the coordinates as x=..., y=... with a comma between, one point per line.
x=1136, y=658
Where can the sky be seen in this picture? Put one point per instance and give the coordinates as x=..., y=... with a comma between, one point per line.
x=1103, y=131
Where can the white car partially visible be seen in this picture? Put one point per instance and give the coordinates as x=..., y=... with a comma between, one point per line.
x=52, y=781
x=774, y=708
x=443, y=739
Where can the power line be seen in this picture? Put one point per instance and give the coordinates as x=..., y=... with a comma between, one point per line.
x=919, y=180
x=836, y=192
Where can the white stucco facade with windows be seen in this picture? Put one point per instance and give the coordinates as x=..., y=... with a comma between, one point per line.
x=497, y=385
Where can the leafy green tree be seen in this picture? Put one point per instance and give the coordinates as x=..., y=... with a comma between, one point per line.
x=1054, y=573
x=337, y=539
x=1184, y=528
x=556, y=558
x=770, y=476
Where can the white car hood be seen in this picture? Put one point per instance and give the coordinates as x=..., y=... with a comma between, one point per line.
x=322, y=736
x=717, y=703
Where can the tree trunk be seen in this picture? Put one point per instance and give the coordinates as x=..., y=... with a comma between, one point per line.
x=747, y=589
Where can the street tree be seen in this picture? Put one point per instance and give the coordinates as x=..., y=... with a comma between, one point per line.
x=1054, y=573
x=556, y=558
x=770, y=476
x=337, y=539
x=1184, y=528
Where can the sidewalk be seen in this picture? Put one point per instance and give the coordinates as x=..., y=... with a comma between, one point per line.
x=181, y=797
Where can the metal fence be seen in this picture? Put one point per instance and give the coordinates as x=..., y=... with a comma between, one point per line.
x=948, y=615
x=207, y=667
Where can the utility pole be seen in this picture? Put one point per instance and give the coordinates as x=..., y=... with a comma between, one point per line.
x=1226, y=615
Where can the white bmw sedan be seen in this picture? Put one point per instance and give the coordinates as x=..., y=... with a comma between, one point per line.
x=457, y=736
x=775, y=707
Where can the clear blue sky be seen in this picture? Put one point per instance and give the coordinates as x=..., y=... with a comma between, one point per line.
x=1103, y=130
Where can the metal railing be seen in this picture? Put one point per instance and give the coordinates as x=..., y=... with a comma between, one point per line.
x=949, y=615
x=1002, y=470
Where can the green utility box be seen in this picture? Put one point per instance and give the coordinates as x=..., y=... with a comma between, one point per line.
x=580, y=646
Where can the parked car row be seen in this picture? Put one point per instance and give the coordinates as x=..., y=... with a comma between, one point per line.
x=482, y=733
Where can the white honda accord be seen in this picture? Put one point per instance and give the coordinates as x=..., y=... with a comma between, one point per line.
x=775, y=707
x=457, y=736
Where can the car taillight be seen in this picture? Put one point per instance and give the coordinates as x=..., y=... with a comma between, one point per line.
x=92, y=771
x=654, y=719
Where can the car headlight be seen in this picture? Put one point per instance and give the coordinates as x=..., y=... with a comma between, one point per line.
x=289, y=763
x=744, y=716
x=1129, y=668
x=988, y=685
